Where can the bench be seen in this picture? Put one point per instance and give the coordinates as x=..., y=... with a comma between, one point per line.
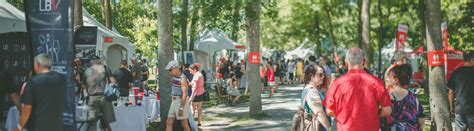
x=226, y=99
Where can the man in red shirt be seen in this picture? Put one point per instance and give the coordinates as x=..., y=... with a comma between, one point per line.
x=357, y=99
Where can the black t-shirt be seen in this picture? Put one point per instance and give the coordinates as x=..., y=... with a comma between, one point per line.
x=46, y=93
x=462, y=82
x=224, y=70
x=124, y=77
x=188, y=75
x=7, y=86
x=144, y=69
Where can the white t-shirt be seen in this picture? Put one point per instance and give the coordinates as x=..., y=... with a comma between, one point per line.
x=291, y=67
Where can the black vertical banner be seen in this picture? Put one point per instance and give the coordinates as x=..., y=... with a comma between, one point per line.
x=50, y=27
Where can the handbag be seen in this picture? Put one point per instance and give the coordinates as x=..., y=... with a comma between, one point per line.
x=302, y=121
x=111, y=91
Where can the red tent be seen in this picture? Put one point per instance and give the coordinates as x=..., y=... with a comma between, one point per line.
x=453, y=60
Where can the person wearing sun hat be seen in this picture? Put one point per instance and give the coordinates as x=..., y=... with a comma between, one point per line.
x=179, y=105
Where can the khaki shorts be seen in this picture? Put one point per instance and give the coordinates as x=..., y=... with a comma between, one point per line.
x=174, y=108
x=99, y=105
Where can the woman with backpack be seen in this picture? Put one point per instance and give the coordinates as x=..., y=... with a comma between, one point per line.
x=312, y=111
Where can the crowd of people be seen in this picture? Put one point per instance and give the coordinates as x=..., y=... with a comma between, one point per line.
x=327, y=102
x=359, y=100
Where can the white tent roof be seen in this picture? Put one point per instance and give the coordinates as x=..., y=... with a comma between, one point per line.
x=90, y=21
x=389, y=50
x=300, y=51
x=112, y=53
x=11, y=19
x=214, y=40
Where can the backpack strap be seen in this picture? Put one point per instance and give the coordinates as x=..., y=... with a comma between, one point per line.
x=107, y=74
x=393, y=95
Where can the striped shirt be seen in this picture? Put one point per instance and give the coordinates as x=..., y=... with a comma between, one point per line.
x=176, y=85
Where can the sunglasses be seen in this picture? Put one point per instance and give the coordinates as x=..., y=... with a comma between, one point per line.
x=320, y=74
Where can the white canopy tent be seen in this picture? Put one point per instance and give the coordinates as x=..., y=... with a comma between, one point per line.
x=300, y=51
x=209, y=42
x=214, y=40
x=389, y=50
x=11, y=18
x=112, y=51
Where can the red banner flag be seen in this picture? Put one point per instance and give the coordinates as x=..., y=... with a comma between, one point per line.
x=401, y=37
x=444, y=31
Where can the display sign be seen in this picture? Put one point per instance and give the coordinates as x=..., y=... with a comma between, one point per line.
x=50, y=27
x=189, y=57
x=401, y=37
x=254, y=58
x=436, y=58
x=239, y=46
x=86, y=35
x=108, y=39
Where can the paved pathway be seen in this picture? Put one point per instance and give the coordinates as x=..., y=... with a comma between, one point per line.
x=279, y=111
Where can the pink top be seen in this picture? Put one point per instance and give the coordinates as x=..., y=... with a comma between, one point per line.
x=198, y=83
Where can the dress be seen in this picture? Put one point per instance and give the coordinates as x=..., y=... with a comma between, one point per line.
x=231, y=89
x=299, y=69
x=270, y=76
x=406, y=112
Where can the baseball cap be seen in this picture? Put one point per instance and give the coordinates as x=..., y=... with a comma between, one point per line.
x=172, y=64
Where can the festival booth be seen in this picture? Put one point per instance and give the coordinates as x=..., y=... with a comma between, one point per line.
x=15, y=51
x=208, y=43
x=15, y=55
x=109, y=45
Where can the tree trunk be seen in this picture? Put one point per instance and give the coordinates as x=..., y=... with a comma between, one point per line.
x=331, y=29
x=437, y=83
x=78, y=14
x=365, y=18
x=381, y=41
x=184, y=27
x=105, y=7
x=253, y=36
x=165, y=54
x=193, y=28
x=317, y=23
x=421, y=15
x=236, y=19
